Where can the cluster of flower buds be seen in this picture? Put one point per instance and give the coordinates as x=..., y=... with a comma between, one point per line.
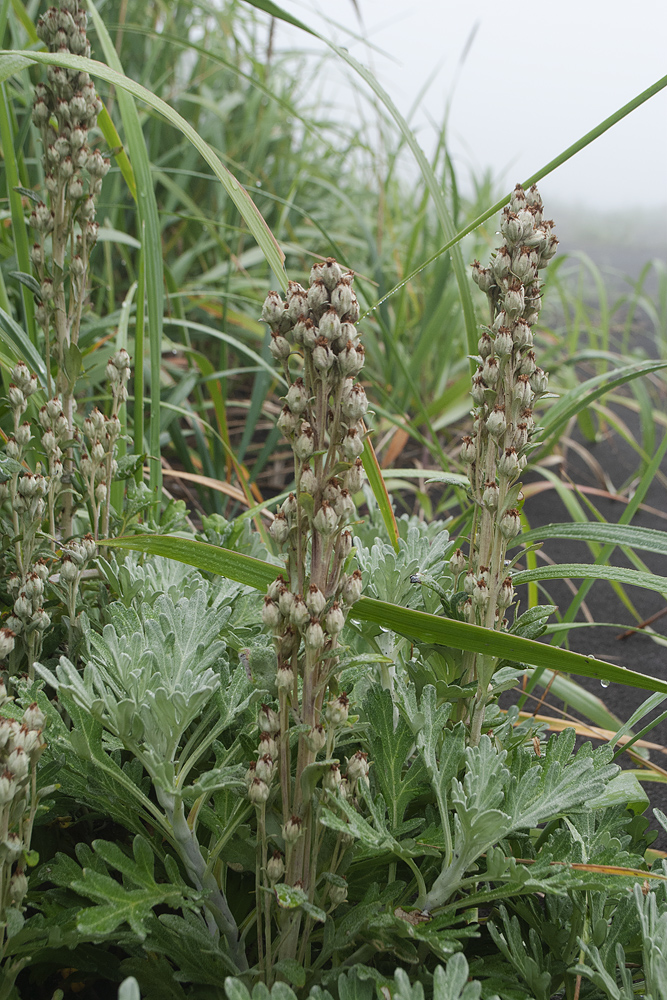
x=314, y=337
x=118, y=373
x=55, y=432
x=77, y=553
x=98, y=463
x=21, y=746
x=28, y=615
x=505, y=387
x=261, y=772
x=322, y=417
x=21, y=387
x=65, y=109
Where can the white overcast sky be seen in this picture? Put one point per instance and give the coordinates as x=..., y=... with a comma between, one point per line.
x=564, y=64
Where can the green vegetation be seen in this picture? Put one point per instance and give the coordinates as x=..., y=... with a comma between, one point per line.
x=258, y=600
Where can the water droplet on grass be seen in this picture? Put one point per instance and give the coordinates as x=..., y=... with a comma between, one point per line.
x=604, y=683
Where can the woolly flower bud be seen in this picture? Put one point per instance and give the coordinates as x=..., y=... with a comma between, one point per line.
x=539, y=381
x=284, y=677
x=18, y=887
x=269, y=720
x=308, y=480
x=23, y=606
x=332, y=778
x=337, y=710
x=480, y=594
x=291, y=830
x=468, y=451
x=485, y=345
x=6, y=643
x=18, y=763
x=7, y=787
x=528, y=364
x=275, y=867
x=318, y=298
x=264, y=768
x=496, y=422
x=510, y=524
x=513, y=303
x=457, y=561
x=316, y=738
x=508, y=464
x=354, y=477
x=13, y=847
x=305, y=333
x=504, y=342
x=297, y=397
x=287, y=421
x=273, y=309
x=350, y=359
x=258, y=792
x=287, y=642
x=299, y=614
x=329, y=325
x=501, y=263
x=522, y=391
x=23, y=379
x=505, y=594
x=344, y=505
x=16, y=398
x=352, y=444
x=315, y=600
x=337, y=894
x=285, y=601
x=296, y=302
x=250, y=774
x=279, y=347
x=314, y=635
x=326, y=519
x=358, y=767
x=271, y=616
x=478, y=391
x=490, y=495
x=490, y=371
x=335, y=619
x=323, y=357
x=522, y=335
x=354, y=404
x=351, y=589
x=279, y=529
x=33, y=717
x=28, y=740
x=482, y=276
x=304, y=446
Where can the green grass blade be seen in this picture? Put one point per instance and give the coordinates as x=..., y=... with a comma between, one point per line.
x=112, y=139
x=377, y=484
x=14, y=62
x=414, y=624
x=567, y=154
x=19, y=227
x=431, y=181
x=149, y=222
x=583, y=395
x=646, y=539
x=586, y=571
x=18, y=341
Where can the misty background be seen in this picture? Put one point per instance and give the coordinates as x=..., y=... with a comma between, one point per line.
x=517, y=89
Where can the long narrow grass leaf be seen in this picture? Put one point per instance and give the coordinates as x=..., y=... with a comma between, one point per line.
x=415, y=624
x=646, y=539
x=14, y=62
x=377, y=484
